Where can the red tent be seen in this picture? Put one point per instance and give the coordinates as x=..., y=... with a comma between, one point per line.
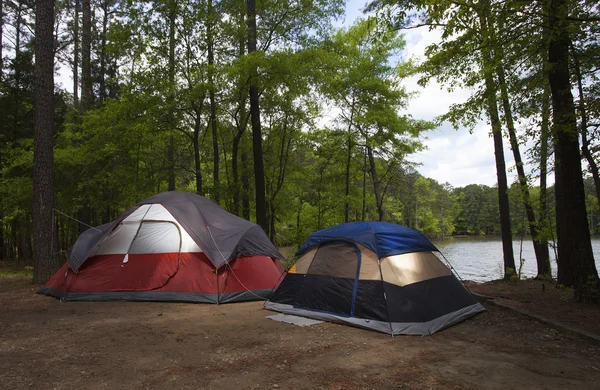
x=172, y=246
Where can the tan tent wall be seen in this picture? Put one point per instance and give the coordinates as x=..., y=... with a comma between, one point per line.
x=409, y=268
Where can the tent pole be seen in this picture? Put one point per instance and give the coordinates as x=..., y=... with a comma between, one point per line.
x=218, y=289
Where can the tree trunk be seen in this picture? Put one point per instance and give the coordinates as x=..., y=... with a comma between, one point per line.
x=376, y=184
x=492, y=108
x=241, y=121
x=245, y=185
x=103, y=94
x=348, y=160
x=298, y=215
x=576, y=265
x=544, y=137
x=197, y=170
x=347, y=176
x=540, y=245
x=284, y=153
x=24, y=243
x=585, y=148
x=76, y=56
x=171, y=108
x=45, y=262
x=213, y=105
x=259, y=171
x=271, y=220
x=86, y=53
x=364, y=194
x=17, y=67
x=235, y=173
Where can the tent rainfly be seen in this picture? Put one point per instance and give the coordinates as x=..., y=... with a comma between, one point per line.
x=173, y=246
x=374, y=275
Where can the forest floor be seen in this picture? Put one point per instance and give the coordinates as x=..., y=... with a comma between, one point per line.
x=47, y=344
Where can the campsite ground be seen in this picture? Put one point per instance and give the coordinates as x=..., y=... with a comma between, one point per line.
x=46, y=344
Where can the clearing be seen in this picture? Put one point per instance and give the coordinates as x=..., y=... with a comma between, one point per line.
x=47, y=344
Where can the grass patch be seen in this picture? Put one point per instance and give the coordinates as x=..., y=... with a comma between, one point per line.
x=10, y=270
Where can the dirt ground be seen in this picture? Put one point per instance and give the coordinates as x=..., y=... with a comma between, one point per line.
x=47, y=344
x=542, y=298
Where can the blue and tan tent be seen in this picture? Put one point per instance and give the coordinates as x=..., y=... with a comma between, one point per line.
x=374, y=275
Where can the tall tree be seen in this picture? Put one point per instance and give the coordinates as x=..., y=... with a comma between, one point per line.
x=540, y=244
x=210, y=22
x=172, y=17
x=86, y=57
x=583, y=116
x=259, y=170
x=576, y=265
x=544, y=220
x=492, y=108
x=76, y=39
x=45, y=260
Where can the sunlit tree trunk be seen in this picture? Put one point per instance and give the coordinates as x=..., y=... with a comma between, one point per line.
x=540, y=245
x=492, y=109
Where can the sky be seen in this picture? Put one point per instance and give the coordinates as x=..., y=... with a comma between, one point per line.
x=453, y=156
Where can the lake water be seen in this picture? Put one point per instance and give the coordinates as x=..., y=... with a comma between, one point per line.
x=480, y=258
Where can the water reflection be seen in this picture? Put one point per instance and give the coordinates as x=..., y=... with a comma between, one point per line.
x=480, y=258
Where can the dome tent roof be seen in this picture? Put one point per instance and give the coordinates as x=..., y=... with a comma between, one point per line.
x=383, y=238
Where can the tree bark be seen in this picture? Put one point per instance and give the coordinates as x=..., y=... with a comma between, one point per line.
x=347, y=177
x=86, y=53
x=544, y=137
x=540, y=245
x=45, y=262
x=492, y=108
x=585, y=148
x=213, y=105
x=376, y=184
x=197, y=170
x=364, y=194
x=103, y=94
x=17, y=67
x=241, y=121
x=76, y=56
x=171, y=143
x=259, y=171
x=24, y=243
x=348, y=160
x=576, y=265
x=284, y=154
x=245, y=185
